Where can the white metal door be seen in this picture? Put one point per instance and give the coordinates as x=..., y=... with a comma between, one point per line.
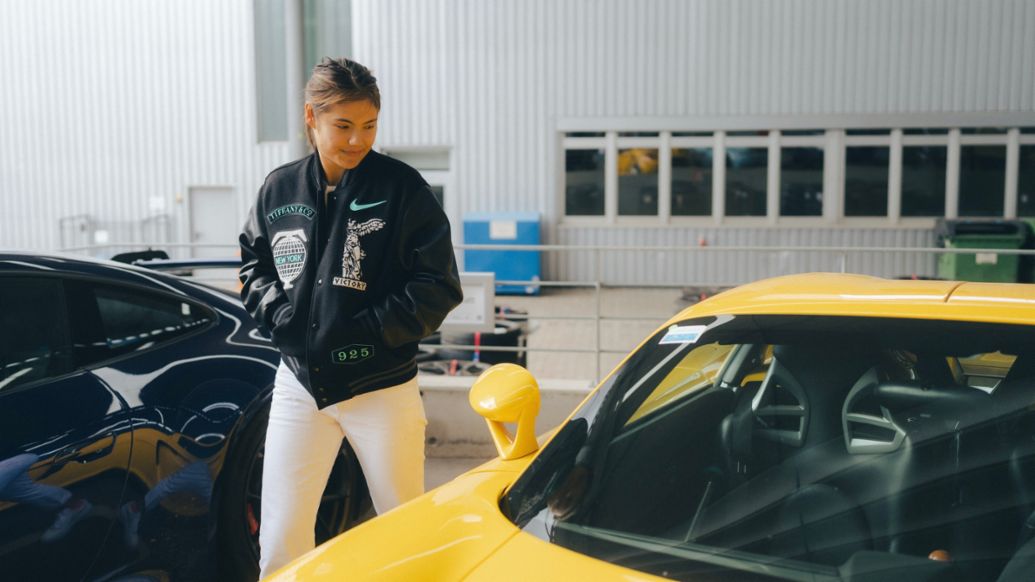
x=214, y=220
x=441, y=182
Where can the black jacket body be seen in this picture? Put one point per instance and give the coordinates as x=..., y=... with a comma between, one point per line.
x=347, y=315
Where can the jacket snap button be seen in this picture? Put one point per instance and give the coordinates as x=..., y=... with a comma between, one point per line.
x=314, y=326
x=319, y=281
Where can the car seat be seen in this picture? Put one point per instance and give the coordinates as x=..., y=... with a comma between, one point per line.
x=784, y=446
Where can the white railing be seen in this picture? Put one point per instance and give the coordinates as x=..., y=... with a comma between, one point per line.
x=597, y=284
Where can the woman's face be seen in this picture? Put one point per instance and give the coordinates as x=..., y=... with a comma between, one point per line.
x=343, y=133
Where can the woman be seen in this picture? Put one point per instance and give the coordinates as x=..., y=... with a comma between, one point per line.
x=347, y=262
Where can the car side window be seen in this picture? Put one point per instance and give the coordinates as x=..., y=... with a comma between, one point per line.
x=132, y=319
x=694, y=372
x=35, y=341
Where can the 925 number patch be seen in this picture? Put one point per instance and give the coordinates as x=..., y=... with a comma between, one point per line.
x=352, y=354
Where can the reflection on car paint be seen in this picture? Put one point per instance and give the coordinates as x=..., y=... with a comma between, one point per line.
x=113, y=469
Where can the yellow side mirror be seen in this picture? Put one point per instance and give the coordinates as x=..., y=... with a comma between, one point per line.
x=508, y=393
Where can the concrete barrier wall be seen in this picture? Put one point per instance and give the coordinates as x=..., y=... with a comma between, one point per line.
x=456, y=430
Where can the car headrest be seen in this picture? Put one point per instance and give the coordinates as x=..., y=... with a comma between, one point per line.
x=1023, y=368
x=809, y=383
x=1017, y=390
x=951, y=400
x=869, y=427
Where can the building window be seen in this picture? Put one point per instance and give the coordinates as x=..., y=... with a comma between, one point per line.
x=36, y=342
x=982, y=180
x=746, y=175
x=584, y=182
x=923, y=181
x=925, y=131
x=433, y=165
x=270, y=70
x=691, y=181
x=1026, y=181
x=638, y=182
x=801, y=181
x=131, y=320
x=327, y=31
x=875, y=173
x=866, y=180
x=439, y=193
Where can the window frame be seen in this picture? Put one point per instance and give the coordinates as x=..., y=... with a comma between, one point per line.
x=642, y=142
x=834, y=141
x=665, y=182
x=69, y=330
x=610, y=167
x=893, y=211
x=527, y=496
x=323, y=35
x=76, y=333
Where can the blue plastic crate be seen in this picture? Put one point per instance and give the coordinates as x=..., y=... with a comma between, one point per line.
x=511, y=228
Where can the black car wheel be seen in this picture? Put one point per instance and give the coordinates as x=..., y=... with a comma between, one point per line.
x=344, y=501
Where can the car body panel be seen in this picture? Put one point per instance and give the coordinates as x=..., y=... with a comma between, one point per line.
x=80, y=451
x=156, y=430
x=545, y=562
x=448, y=531
x=865, y=296
x=458, y=531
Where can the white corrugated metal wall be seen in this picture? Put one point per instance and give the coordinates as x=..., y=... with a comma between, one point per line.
x=710, y=268
x=114, y=109
x=493, y=80
x=125, y=104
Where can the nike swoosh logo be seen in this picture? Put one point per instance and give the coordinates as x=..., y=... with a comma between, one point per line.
x=357, y=207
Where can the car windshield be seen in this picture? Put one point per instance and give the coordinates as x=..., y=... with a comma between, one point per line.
x=801, y=448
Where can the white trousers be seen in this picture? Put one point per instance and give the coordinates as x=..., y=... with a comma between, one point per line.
x=385, y=429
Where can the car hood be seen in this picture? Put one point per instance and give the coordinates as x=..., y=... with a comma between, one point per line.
x=455, y=532
x=526, y=557
x=443, y=534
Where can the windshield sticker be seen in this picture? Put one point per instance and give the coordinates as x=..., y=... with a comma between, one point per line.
x=683, y=334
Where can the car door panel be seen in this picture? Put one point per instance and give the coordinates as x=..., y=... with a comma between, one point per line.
x=65, y=442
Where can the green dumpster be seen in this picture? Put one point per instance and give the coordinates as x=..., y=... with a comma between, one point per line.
x=1028, y=261
x=981, y=234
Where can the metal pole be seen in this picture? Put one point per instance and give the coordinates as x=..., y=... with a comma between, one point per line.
x=596, y=323
x=294, y=52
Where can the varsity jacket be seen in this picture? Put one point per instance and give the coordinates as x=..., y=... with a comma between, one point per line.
x=347, y=291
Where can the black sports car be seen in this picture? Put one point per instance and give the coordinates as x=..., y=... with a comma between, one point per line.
x=133, y=407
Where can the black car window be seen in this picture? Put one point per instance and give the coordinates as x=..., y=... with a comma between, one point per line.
x=34, y=332
x=133, y=319
x=801, y=448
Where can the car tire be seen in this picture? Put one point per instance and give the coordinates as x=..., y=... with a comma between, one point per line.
x=345, y=500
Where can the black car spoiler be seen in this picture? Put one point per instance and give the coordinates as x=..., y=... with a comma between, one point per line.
x=181, y=264
x=159, y=260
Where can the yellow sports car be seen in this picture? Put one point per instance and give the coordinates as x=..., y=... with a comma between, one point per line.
x=812, y=427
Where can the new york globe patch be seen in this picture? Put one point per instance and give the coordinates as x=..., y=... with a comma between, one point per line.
x=289, y=255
